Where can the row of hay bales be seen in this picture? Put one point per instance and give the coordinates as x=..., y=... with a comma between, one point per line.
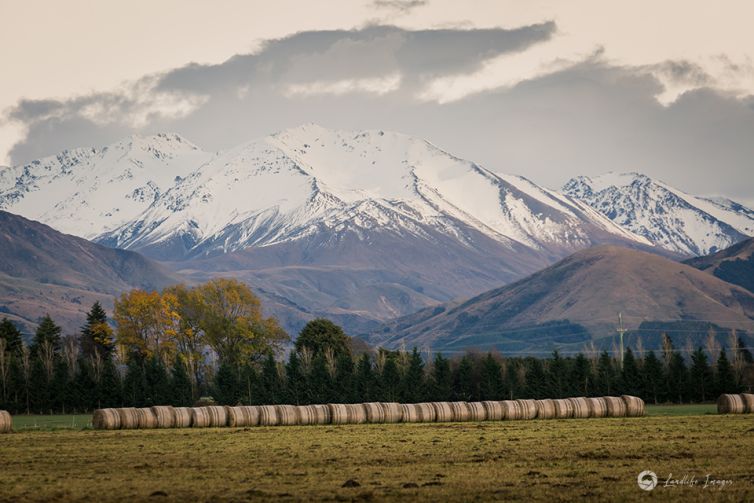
x=373, y=412
x=6, y=423
x=736, y=404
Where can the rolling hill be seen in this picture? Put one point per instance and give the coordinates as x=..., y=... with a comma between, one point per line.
x=734, y=265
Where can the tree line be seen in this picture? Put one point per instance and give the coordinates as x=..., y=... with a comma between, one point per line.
x=183, y=345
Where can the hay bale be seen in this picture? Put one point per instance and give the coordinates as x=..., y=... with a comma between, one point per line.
x=243, y=415
x=494, y=410
x=748, y=400
x=418, y=413
x=6, y=422
x=443, y=411
x=563, y=408
x=616, y=407
x=288, y=415
x=129, y=418
x=477, y=412
x=357, y=413
x=512, y=410
x=597, y=407
x=347, y=413
x=322, y=413
x=546, y=409
x=393, y=412
x=146, y=418
x=165, y=415
x=338, y=413
x=103, y=419
x=634, y=405
x=580, y=407
x=461, y=411
x=218, y=415
x=375, y=412
x=306, y=414
x=268, y=415
x=528, y=409
x=730, y=404
x=182, y=417
x=200, y=417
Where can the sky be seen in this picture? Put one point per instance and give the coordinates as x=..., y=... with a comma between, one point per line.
x=545, y=89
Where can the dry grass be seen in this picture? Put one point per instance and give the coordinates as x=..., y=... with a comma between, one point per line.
x=554, y=460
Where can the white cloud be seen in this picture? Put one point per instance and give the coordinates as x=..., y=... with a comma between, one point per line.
x=378, y=86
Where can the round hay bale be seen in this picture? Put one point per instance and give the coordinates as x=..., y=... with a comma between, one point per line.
x=375, y=412
x=461, y=411
x=580, y=407
x=357, y=413
x=322, y=413
x=494, y=410
x=306, y=414
x=165, y=415
x=6, y=422
x=597, y=407
x=477, y=412
x=200, y=417
x=103, y=419
x=730, y=404
x=268, y=415
x=288, y=415
x=182, y=417
x=512, y=410
x=338, y=413
x=528, y=409
x=418, y=413
x=563, y=408
x=146, y=418
x=546, y=409
x=393, y=412
x=634, y=405
x=243, y=415
x=129, y=418
x=748, y=400
x=218, y=415
x=443, y=411
x=616, y=407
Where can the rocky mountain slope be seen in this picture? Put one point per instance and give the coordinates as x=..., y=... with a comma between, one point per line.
x=665, y=216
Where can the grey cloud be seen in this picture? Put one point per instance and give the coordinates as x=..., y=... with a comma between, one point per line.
x=588, y=119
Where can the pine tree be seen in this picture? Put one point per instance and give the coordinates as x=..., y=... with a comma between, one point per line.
x=725, y=379
x=271, y=385
x=12, y=336
x=61, y=388
x=677, y=378
x=390, y=380
x=135, y=383
x=295, y=380
x=39, y=388
x=536, y=379
x=226, y=385
x=109, y=387
x=700, y=376
x=96, y=334
x=581, y=381
x=250, y=385
x=514, y=370
x=442, y=380
x=47, y=333
x=344, y=378
x=606, y=376
x=491, y=379
x=630, y=376
x=180, y=384
x=464, y=386
x=412, y=381
x=85, y=386
x=556, y=386
x=653, y=378
x=365, y=379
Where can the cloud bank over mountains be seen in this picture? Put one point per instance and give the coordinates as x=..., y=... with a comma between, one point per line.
x=508, y=98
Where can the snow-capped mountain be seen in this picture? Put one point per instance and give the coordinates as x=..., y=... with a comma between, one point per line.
x=88, y=191
x=307, y=180
x=666, y=216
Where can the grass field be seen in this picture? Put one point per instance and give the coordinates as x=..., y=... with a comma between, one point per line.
x=554, y=460
x=54, y=422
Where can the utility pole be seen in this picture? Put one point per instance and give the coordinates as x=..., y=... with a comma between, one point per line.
x=621, y=331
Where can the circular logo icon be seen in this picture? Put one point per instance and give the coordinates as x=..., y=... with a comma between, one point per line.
x=647, y=480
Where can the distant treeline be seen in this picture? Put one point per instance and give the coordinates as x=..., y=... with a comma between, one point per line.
x=230, y=356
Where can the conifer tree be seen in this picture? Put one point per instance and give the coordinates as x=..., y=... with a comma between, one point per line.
x=96, y=334
x=226, y=385
x=725, y=379
x=677, y=378
x=321, y=334
x=39, y=388
x=271, y=385
x=344, y=378
x=109, y=386
x=653, y=378
x=12, y=336
x=442, y=379
x=135, y=384
x=390, y=380
x=250, y=385
x=700, y=376
x=412, y=381
x=85, y=386
x=630, y=377
x=47, y=333
x=536, y=379
x=463, y=380
x=180, y=384
x=365, y=379
x=491, y=379
x=605, y=381
x=581, y=380
x=557, y=378
x=62, y=386
x=295, y=380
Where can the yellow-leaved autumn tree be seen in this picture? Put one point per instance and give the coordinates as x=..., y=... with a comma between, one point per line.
x=147, y=323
